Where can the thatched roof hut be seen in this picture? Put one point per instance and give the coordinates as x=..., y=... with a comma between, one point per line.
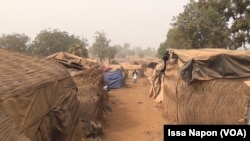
x=117, y=66
x=38, y=100
x=130, y=68
x=72, y=61
x=206, y=86
x=92, y=98
x=91, y=94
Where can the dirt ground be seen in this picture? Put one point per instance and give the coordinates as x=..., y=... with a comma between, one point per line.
x=135, y=116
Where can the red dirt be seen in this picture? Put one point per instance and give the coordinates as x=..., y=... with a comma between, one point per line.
x=135, y=116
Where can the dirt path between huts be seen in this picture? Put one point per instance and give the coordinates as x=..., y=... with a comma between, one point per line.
x=135, y=117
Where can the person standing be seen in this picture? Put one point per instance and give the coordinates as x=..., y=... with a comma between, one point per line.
x=135, y=76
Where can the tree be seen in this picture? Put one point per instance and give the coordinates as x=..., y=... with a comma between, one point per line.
x=130, y=52
x=15, y=42
x=121, y=54
x=161, y=50
x=100, y=45
x=126, y=46
x=141, y=55
x=111, y=52
x=79, y=50
x=118, y=47
x=52, y=41
x=148, y=51
x=119, y=51
x=201, y=25
x=91, y=51
x=138, y=50
x=239, y=12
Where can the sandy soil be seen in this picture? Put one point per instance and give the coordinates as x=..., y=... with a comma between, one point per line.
x=135, y=116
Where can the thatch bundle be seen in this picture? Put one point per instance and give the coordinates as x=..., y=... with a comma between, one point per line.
x=37, y=100
x=91, y=94
x=92, y=99
x=214, y=101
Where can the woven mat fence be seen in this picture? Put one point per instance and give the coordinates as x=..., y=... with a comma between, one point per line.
x=220, y=101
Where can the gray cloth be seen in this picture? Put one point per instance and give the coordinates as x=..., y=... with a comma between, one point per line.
x=209, y=64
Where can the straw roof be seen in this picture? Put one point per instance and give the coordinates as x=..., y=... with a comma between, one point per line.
x=112, y=66
x=128, y=66
x=209, y=64
x=21, y=73
x=218, y=94
x=218, y=101
x=71, y=59
x=30, y=83
x=207, y=53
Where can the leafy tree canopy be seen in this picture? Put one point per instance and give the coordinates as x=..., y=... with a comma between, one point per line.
x=79, y=50
x=15, y=42
x=210, y=24
x=111, y=53
x=238, y=11
x=52, y=41
x=100, y=45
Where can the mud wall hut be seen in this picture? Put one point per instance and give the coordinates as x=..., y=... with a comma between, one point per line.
x=206, y=86
x=38, y=100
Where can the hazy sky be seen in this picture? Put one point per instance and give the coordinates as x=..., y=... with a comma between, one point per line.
x=141, y=23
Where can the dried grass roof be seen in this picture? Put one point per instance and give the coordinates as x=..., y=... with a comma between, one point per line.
x=209, y=64
x=128, y=66
x=21, y=73
x=64, y=56
x=113, y=66
x=207, y=53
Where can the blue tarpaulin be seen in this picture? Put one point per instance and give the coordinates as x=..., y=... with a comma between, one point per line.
x=113, y=78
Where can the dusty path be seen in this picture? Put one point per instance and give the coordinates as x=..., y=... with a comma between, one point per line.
x=135, y=117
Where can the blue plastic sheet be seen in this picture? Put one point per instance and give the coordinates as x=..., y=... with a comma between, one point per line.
x=113, y=78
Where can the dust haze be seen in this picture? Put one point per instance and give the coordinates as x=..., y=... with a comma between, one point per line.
x=141, y=23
